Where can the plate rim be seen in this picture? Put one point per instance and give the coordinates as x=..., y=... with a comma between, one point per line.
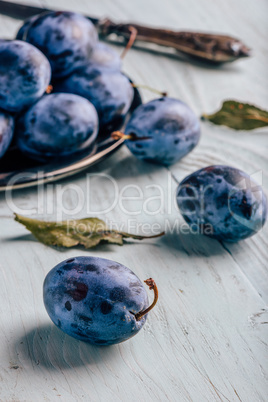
x=61, y=173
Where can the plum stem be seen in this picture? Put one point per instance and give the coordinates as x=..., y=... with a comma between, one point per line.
x=132, y=37
x=118, y=135
x=164, y=94
x=152, y=286
x=49, y=89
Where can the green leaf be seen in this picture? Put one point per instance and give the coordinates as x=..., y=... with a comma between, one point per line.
x=238, y=115
x=88, y=232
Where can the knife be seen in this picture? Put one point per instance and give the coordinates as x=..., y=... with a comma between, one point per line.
x=213, y=48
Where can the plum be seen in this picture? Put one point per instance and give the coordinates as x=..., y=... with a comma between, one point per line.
x=56, y=126
x=66, y=38
x=162, y=131
x=224, y=202
x=103, y=56
x=96, y=300
x=22, y=32
x=6, y=132
x=24, y=75
x=109, y=90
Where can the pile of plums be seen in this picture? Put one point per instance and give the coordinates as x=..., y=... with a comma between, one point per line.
x=60, y=52
x=89, y=90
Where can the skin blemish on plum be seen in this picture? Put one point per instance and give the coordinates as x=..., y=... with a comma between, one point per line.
x=189, y=191
x=246, y=208
x=116, y=267
x=188, y=205
x=80, y=333
x=85, y=318
x=118, y=294
x=68, y=306
x=134, y=284
x=91, y=268
x=106, y=307
x=79, y=292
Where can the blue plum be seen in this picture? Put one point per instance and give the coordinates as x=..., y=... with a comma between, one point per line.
x=103, y=56
x=22, y=32
x=110, y=92
x=6, y=132
x=66, y=38
x=24, y=75
x=223, y=202
x=96, y=300
x=162, y=131
x=57, y=125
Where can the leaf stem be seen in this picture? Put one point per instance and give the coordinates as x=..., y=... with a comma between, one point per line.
x=126, y=235
x=152, y=286
x=164, y=94
x=139, y=237
x=257, y=118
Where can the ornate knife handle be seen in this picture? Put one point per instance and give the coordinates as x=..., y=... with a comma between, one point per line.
x=210, y=47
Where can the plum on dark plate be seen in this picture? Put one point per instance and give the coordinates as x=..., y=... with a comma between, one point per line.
x=24, y=75
x=57, y=125
x=224, y=202
x=66, y=38
x=110, y=92
x=162, y=131
x=22, y=32
x=6, y=132
x=103, y=56
x=96, y=300
x=14, y=161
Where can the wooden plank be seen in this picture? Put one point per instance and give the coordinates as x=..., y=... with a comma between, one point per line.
x=206, y=340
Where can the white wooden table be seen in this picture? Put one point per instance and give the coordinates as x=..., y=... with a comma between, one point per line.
x=206, y=340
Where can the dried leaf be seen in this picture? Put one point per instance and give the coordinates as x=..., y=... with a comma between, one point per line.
x=238, y=115
x=88, y=232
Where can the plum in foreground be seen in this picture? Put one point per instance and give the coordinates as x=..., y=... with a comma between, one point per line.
x=96, y=300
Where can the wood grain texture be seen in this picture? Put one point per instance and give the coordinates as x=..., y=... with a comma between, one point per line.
x=207, y=338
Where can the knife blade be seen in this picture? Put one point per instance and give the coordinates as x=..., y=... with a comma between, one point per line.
x=208, y=47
